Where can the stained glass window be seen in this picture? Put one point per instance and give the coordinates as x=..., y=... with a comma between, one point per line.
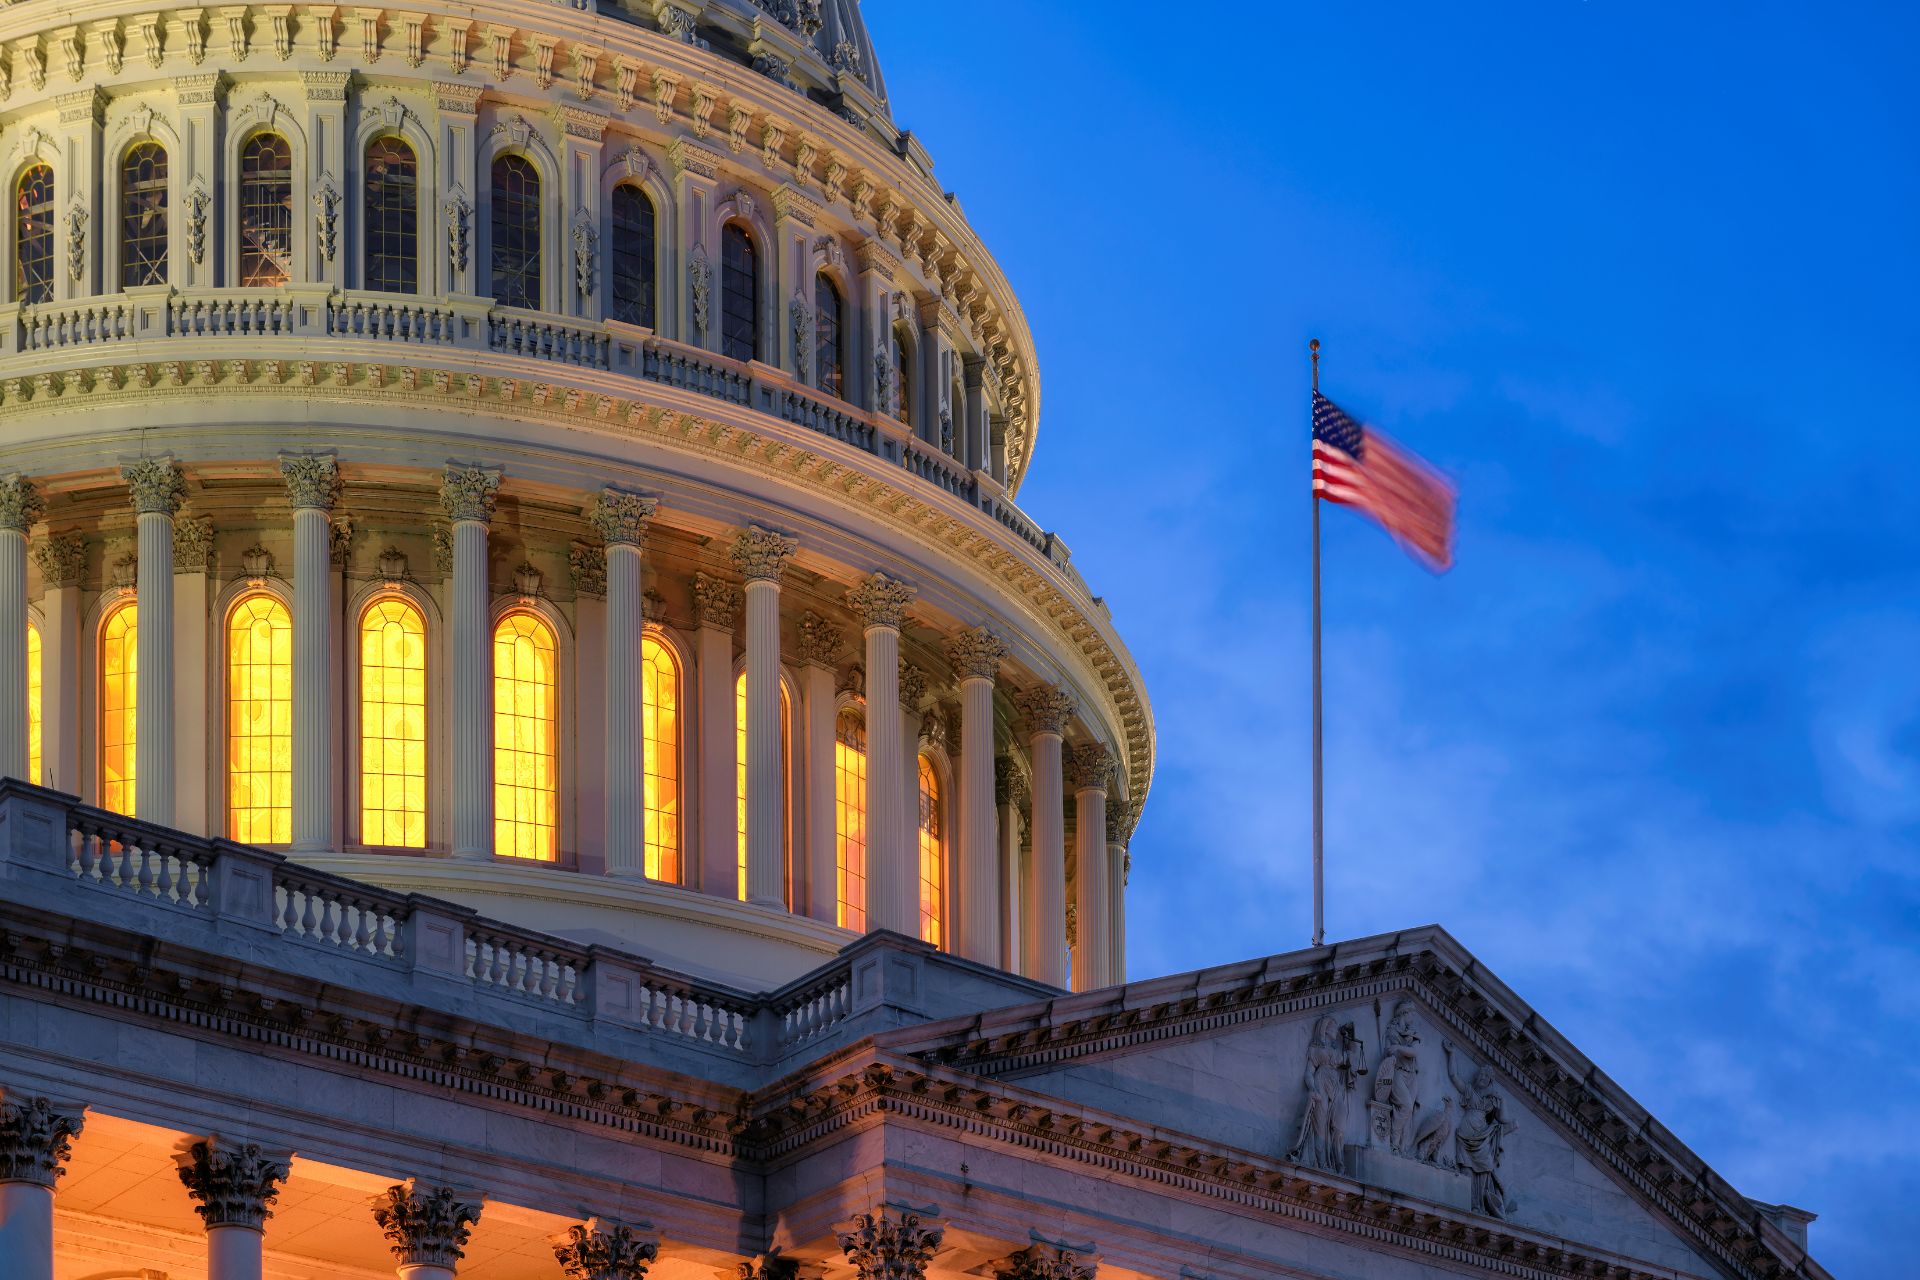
x=850, y=819
x=740, y=767
x=660, y=671
x=119, y=691
x=515, y=222
x=393, y=725
x=260, y=722
x=34, y=726
x=739, y=294
x=933, y=857
x=829, y=355
x=143, y=216
x=266, y=211
x=902, y=379
x=33, y=236
x=634, y=261
x=392, y=223
x=526, y=782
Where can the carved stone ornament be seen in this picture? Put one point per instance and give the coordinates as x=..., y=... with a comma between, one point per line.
x=313, y=480
x=1089, y=767
x=700, y=280
x=1120, y=822
x=35, y=1136
x=442, y=534
x=586, y=247
x=469, y=493
x=801, y=320
x=1334, y=1064
x=340, y=541
x=198, y=202
x=587, y=565
x=258, y=562
x=123, y=566
x=393, y=565
x=853, y=682
x=770, y=1266
x=232, y=1186
x=880, y=601
x=760, y=554
x=883, y=380
x=526, y=581
x=192, y=544
x=1010, y=786
x=884, y=1248
x=1046, y=710
x=20, y=503
x=820, y=641
x=426, y=1226
x=976, y=654
x=458, y=212
x=1046, y=1262
x=62, y=559
x=76, y=242
x=1396, y=1084
x=1479, y=1136
x=913, y=686
x=157, y=484
x=326, y=216
x=715, y=601
x=620, y=517
x=601, y=1250
x=802, y=16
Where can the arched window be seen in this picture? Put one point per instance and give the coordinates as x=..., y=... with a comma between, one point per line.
x=740, y=772
x=516, y=232
x=526, y=773
x=33, y=236
x=393, y=725
x=739, y=294
x=634, y=262
x=266, y=211
x=902, y=378
x=933, y=857
x=850, y=819
x=829, y=345
x=260, y=722
x=119, y=692
x=392, y=217
x=34, y=727
x=143, y=216
x=660, y=674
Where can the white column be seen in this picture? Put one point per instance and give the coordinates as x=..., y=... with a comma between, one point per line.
x=313, y=483
x=715, y=602
x=233, y=1185
x=1118, y=861
x=158, y=490
x=1091, y=767
x=192, y=617
x=35, y=1135
x=467, y=494
x=427, y=1227
x=913, y=692
x=621, y=519
x=976, y=657
x=1047, y=712
x=20, y=504
x=61, y=559
x=892, y=882
x=1010, y=795
x=760, y=555
x=820, y=646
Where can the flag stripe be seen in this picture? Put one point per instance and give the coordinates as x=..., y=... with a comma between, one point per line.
x=1358, y=467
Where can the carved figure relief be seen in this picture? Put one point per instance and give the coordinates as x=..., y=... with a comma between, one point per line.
x=458, y=211
x=326, y=216
x=1396, y=1085
x=1480, y=1135
x=586, y=242
x=197, y=202
x=802, y=321
x=1333, y=1067
x=76, y=241
x=700, y=277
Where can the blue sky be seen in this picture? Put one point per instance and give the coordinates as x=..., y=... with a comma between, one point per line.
x=1641, y=277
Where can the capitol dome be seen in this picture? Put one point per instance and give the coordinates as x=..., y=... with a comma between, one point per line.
x=559, y=459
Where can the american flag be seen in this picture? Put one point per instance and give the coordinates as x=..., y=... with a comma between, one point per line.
x=1361, y=468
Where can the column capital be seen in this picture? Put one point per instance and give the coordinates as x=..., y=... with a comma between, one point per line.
x=192, y=544
x=883, y=1248
x=1090, y=767
x=620, y=518
x=232, y=1184
x=913, y=686
x=715, y=601
x=469, y=493
x=587, y=565
x=1045, y=1262
x=821, y=643
x=1121, y=819
x=426, y=1226
x=62, y=559
x=1009, y=784
x=760, y=554
x=20, y=503
x=601, y=1250
x=35, y=1136
x=880, y=601
x=976, y=654
x=158, y=485
x=1046, y=709
x=313, y=480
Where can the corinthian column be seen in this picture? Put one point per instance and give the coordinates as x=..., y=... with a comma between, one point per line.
x=976, y=657
x=313, y=484
x=1090, y=770
x=883, y=1248
x=621, y=519
x=35, y=1136
x=20, y=505
x=601, y=1250
x=467, y=494
x=1046, y=712
x=760, y=555
x=158, y=490
x=893, y=881
x=426, y=1227
x=1119, y=863
x=233, y=1186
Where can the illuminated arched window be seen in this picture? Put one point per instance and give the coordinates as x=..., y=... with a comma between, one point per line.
x=850, y=819
x=260, y=722
x=393, y=725
x=33, y=235
x=392, y=225
x=739, y=294
x=515, y=224
x=143, y=216
x=933, y=857
x=119, y=691
x=635, y=265
x=829, y=342
x=740, y=772
x=266, y=211
x=526, y=772
x=902, y=378
x=34, y=730
x=660, y=672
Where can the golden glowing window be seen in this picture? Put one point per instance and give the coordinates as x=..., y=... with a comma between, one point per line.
x=393, y=725
x=661, y=674
x=33, y=705
x=260, y=722
x=850, y=819
x=740, y=770
x=526, y=783
x=119, y=691
x=933, y=856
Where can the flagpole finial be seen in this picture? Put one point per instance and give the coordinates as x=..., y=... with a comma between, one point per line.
x=1313, y=349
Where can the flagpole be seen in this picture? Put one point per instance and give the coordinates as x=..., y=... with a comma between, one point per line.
x=1319, y=852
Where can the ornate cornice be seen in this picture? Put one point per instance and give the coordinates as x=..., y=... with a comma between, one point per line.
x=715, y=601
x=20, y=503
x=601, y=1250
x=976, y=654
x=1089, y=767
x=620, y=518
x=882, y=1247
x=35, y=1139
x=231, y=1185
x=313, y=480
x=880, y=601
x=821, y=643
x=1046, y=709
x=469, y=493
x=760, y=554
x=157, y=484
x=426, y=1226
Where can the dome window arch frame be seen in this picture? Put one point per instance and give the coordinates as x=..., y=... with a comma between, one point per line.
x=431, y=269
x=515, y=135
x=635, y=168
x=256, y=121
x=138, y=128
x=566, y=727
x=357, y=607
